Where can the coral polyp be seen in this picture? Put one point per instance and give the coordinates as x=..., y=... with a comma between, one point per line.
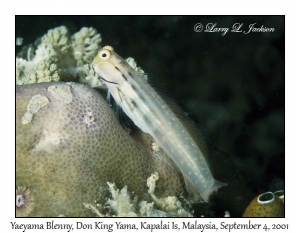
x=24, y=202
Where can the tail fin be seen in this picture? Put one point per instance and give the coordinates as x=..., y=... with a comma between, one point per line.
x=194, y=194
x=213, y=188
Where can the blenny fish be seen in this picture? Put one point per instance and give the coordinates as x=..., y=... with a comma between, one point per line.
x=152, y=115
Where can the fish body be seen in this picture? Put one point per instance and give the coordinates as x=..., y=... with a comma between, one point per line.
x=151, y=114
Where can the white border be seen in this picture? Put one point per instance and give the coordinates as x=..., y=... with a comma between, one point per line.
x=271, y=7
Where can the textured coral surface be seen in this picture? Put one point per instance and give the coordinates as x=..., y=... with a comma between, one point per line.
x=265, y=205
x=73, y=146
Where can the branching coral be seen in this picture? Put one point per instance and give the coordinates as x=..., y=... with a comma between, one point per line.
x=170, y=204
x=58, y=57
x=85, y=44
x=57, y=39
x=87, y=75
x=121, y=204
x=43, y=64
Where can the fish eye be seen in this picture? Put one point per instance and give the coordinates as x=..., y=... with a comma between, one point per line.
x=105, y=55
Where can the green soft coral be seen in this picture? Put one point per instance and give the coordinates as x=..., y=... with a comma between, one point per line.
x=123, y=203
x=58, y=40
x=57, y=56
x=85, y=44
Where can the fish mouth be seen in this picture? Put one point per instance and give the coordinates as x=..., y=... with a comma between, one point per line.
x=107, y=81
